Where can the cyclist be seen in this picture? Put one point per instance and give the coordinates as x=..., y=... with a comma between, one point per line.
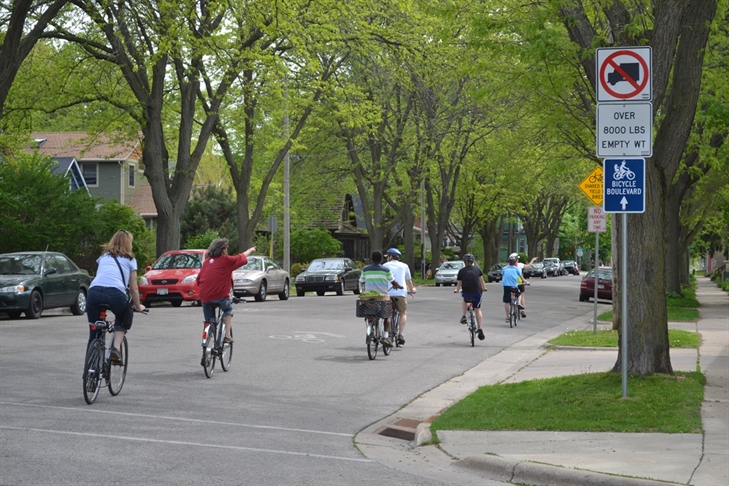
x=510, y=276
x=376, y=277
x=470, y=279
x=215, y=282
x=522, y=286
x=116, y=273
x=401, y=273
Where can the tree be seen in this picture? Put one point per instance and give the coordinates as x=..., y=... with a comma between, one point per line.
x=307, y=245
x=210, y=209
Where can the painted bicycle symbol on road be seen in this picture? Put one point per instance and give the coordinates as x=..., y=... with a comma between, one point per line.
x=306, y=337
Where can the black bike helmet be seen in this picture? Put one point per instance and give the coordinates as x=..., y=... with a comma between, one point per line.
x=469, y=258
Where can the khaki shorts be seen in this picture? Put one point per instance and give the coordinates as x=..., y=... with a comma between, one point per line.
x=401, y=303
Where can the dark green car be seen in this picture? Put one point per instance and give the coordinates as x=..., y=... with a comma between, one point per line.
x=33, y=281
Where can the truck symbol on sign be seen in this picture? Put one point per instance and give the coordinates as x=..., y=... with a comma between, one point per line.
x=632, y=69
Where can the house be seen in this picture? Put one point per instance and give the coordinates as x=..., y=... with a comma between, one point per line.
x=341, y=220
x=111, y=167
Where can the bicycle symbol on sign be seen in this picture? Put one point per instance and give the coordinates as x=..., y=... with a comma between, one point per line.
x=595, y=178
x=622, y=171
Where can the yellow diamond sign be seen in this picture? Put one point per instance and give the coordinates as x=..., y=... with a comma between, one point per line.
x=592, y=186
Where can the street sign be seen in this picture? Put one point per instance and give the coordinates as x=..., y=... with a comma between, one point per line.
x=624, y=130
x=624, y=74
x=624, y=185
x=596, y=220
x=592, y=186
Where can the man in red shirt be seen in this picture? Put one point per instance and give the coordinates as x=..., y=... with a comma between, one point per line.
x=215, y=282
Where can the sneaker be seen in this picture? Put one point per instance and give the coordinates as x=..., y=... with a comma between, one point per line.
x=507, y=319
x=228, y=340
x=202, y=361
x=523, y=314
x=481, y=337
x=386, y=341
x=520, y=306
x=463, y=319
x=116, y=355
x=400, y=340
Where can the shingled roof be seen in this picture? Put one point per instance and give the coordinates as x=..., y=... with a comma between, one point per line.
x=85, y=146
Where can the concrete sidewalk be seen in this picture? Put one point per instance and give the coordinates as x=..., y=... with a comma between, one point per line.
x=567, y=458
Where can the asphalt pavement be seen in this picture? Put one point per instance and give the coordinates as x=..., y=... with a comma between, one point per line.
x=401, y=440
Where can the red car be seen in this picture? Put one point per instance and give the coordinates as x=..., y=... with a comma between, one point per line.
x=172, y=278
x=604, y=285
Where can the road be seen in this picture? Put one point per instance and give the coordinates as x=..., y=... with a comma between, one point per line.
x=300, y=388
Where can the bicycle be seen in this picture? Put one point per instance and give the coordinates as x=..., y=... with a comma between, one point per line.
x=471, y=322
x=99, y=369
x=375, y=312
x=514, y=311
x=214, y=346
x=395, y=322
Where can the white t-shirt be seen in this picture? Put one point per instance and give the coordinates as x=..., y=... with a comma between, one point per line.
x=108, y=275
x=401, y=272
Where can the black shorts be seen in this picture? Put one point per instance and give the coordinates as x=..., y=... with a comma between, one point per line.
x=507, y=293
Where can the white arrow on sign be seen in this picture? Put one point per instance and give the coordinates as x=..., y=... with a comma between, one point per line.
x=624, y=203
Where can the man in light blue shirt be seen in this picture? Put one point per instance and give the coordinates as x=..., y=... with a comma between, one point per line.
x=510, y=280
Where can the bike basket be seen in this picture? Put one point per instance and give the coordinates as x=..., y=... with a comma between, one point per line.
x=374, y=308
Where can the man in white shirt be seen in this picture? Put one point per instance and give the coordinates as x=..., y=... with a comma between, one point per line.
x=401, y=272
x=522, y=287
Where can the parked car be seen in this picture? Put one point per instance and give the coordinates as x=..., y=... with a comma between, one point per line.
x=259, y=277
x=536, y=270
x=172, y=278
x=33, y=281
x=494, y=275
x=553, y=267
x=329, y=274
x=447, y=273
x=570, y=267
x=604, y=285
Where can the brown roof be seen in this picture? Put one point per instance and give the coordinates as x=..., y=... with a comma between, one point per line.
x=142, y=201
x=85, y=146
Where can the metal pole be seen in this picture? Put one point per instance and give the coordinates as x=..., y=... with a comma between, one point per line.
x=287, y=212
x=422, y=226
x=624, y=294
x=597, y=252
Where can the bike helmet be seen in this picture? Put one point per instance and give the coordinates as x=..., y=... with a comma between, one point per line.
x=468, y=258
x=515, y=256
x=394, y=252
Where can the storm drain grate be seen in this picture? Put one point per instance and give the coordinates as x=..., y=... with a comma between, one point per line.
x=395, y=433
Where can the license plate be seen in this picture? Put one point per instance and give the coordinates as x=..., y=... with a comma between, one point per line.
x=162, y=291
x=600, y=286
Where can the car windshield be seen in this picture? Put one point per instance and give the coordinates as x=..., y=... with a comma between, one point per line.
x=20, y=264
x=601, y=274
x=452, y=265
x=254, y=264
x=326, y=265
x=178, y=260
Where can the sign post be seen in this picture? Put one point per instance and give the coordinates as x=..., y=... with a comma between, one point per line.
x=596, y=223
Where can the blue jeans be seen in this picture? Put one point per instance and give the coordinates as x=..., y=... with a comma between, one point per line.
x=209, y=308
x=114, y=298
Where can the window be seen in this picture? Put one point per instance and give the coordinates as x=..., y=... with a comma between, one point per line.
x=90, y=173
x=132, y=174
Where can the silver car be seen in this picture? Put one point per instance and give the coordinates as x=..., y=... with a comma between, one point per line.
x=259, y=277
x=447, y=273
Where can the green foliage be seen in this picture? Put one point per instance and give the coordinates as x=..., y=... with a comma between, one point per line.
x=677, y=338
x=307, y=245
x=202, y=241
x=297, y=268
x=112, y=217
x=41, y=212
x=210, y=209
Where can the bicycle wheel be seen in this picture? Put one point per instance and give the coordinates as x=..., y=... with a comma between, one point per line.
x=472, y=327
x=373, y=328
x=385, y=348
x=226, y=350
x=208, y=360
x=396, y=328
x=118, y=372
x=512, y=315
x=92, y=371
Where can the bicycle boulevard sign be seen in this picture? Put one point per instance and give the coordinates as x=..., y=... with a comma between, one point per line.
x=592, y=186
x=624, y=185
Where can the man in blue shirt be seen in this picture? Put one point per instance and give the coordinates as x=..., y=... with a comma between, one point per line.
x=511, y=277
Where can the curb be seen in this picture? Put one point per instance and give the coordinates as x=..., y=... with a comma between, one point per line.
x=525, y=472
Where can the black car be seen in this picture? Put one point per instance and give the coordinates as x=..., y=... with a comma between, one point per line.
x=329, y=274
x=536, y=270
x=570, y=267
x=33, y=281
x=494, y=274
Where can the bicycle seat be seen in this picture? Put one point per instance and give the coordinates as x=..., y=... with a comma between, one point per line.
x=104, y=307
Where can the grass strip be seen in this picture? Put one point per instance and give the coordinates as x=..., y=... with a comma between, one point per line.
x=677, y=338
x=588, y=402
x=675, y=314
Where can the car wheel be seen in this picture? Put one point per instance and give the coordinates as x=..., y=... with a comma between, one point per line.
x=437, y=285
x=176, y=302
x=584, y=298
x=261, y=295
x=79, y=307
x=319, y=293
x=340, y=289
x=300, y=293
x=285, y=294
x=35, y=308
x=358, y=288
